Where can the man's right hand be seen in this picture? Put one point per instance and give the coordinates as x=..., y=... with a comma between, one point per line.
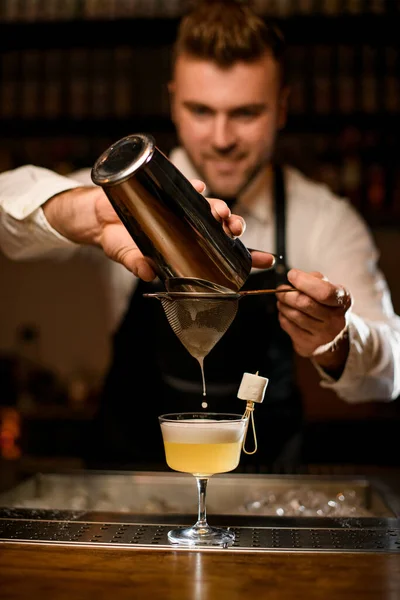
x=85, y=215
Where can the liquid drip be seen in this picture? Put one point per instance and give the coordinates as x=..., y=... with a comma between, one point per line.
x=201, y=363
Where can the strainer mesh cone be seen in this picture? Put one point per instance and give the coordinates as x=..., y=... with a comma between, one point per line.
x=199, y=323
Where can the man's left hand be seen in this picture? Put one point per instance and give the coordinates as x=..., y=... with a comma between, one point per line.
x=314, y=316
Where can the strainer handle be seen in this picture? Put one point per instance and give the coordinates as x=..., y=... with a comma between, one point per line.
x=267, y=291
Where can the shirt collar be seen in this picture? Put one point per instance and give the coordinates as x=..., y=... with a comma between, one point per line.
x=256, y=199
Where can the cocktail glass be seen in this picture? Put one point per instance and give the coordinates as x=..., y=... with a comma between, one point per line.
x=202, y=444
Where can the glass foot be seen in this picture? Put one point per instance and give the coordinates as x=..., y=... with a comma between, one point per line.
x=201, y=536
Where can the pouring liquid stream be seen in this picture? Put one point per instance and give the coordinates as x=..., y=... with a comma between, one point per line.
x=197, y=342
x=201, y=363
x=204, y=404
x=200, y=360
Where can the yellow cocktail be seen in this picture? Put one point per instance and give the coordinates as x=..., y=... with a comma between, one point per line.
x=203, y=447
x=202, y=444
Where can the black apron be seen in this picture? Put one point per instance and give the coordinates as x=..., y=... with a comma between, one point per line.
x=152, y=373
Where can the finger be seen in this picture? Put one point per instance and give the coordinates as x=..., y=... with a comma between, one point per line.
x=301, y=336
x=303, y=319
x=137, y=264
x=262, y=260
x=119, y=246
x=319, y=289
x=235, y=226
x=308, y=334
x=144, y=270
x=319, y=275
x=198, y=185
x=219, y=209
x=304, y=304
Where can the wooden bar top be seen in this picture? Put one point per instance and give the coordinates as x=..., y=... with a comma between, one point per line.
x=33, y=571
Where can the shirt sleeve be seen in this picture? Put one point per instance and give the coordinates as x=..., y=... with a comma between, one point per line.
x=24, y=231
x=343, y=249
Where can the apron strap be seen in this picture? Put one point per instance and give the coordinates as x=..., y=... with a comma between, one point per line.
x=280, y=224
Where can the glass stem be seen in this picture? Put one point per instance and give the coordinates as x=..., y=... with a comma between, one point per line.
x=202, y=513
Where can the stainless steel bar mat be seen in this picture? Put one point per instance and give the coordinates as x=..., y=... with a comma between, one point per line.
x=247, y=539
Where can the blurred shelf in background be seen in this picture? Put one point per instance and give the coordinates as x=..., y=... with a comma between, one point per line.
x=61, y=105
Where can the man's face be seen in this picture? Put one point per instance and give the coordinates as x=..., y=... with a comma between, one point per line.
x=227, y=118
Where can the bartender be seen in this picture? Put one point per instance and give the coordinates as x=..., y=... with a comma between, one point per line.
x=228, y=101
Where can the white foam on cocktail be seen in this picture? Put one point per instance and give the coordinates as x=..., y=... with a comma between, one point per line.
x=201, y=431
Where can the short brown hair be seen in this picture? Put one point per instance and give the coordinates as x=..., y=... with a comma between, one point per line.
x=227, y=31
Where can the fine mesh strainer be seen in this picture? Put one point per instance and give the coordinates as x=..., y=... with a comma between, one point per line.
x=200, y=317
x=199, y=322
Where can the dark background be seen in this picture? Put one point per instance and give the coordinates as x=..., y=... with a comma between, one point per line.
x=76, y=76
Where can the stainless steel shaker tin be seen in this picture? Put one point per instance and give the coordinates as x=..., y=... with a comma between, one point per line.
x=169, y=220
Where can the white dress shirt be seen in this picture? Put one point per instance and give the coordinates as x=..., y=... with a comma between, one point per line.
x=323, y=233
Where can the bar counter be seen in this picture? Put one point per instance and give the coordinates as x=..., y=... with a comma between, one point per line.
x=44, y=571
x=53, y=551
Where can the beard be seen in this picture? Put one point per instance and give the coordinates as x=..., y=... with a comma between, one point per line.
x=216, y=190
